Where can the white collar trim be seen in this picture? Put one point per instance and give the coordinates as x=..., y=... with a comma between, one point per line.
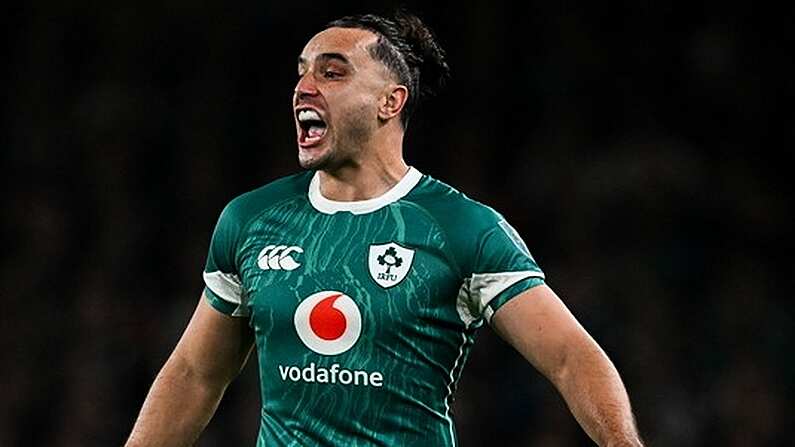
x=397, y=192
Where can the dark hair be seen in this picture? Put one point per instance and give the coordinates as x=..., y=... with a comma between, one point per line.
x=407, y=48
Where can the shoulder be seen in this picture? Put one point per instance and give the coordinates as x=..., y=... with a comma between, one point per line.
x=465, y=223
x=251, y=203
x=452, y=208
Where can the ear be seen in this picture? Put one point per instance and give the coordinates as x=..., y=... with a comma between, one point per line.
x=393, y=101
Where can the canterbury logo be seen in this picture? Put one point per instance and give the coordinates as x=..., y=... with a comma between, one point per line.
x=278, y=257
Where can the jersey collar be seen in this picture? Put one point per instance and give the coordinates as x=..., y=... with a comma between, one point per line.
x=327, y=206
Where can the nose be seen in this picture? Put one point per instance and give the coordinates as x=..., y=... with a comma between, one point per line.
x=306, y=87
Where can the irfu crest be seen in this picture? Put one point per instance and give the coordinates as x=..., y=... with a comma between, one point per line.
x=389, y=263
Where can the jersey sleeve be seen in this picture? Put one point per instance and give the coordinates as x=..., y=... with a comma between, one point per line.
x=502, y=269
x=223, y=287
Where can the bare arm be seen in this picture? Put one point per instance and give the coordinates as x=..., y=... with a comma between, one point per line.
x=543, y=330
x=212, y=351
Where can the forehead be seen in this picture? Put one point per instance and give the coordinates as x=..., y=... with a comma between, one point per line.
x=350, y=42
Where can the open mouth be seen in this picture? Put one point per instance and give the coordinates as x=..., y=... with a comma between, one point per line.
x=311, y=126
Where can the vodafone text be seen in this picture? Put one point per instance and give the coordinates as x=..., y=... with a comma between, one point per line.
x=334, y=374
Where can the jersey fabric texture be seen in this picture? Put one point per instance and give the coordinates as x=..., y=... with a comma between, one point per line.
x=364, y=313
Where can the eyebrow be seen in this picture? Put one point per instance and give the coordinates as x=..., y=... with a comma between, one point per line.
x=326, y=57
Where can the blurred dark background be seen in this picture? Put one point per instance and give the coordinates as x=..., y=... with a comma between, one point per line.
x=642, y=149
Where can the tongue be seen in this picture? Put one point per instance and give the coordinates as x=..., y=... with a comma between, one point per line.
x=316, y=131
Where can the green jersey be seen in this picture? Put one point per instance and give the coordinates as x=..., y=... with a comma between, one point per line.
x=364, y=312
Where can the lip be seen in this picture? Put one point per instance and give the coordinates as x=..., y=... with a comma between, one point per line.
x=303, y=144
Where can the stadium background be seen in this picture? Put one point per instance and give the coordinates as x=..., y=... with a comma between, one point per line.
x=642, y=149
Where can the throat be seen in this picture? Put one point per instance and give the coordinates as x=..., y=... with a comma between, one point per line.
x=358, y=183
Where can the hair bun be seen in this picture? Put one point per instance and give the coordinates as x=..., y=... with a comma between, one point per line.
x=427, y=56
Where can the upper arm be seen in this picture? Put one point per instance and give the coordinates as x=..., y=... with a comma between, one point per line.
x=214, y=346
x=538, y=325
x=217, y=342
x=496, y=265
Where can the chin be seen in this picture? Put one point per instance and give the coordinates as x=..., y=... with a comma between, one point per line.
x=312, y=158
x=307, y=164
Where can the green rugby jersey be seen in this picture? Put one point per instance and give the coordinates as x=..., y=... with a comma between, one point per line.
x=364, y=312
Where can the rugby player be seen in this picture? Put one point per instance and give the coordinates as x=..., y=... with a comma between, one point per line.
x=362, y=282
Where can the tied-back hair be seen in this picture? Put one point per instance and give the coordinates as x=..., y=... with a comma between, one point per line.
x=408, y=49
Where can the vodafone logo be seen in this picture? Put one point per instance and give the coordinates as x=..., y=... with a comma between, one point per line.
x=328, y=322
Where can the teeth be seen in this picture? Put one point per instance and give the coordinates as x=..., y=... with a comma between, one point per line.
x=308, y=115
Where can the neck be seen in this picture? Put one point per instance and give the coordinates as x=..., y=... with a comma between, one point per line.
x=375, y=172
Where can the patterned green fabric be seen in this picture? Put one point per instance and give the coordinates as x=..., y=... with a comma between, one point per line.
x=364, y=312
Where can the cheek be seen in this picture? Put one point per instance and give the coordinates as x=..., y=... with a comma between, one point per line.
x=360, y=117
x=364, y=106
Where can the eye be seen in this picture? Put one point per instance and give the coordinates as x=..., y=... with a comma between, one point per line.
x=331, y=74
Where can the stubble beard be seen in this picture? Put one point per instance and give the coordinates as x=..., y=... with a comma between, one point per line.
x=351, y=135
x=314, y=161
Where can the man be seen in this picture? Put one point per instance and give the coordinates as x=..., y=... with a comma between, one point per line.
x=362, y=281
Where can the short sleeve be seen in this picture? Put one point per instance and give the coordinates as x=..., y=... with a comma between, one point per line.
x=503, y=268
x=223, y=287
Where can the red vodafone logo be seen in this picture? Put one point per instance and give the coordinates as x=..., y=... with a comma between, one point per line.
x=328, y=322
